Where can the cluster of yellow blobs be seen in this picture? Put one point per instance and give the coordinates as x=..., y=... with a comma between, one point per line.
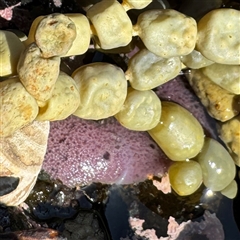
x=100, y=90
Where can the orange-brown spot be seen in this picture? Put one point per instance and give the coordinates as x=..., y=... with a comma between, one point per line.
x=52, y=23
x=217, y=106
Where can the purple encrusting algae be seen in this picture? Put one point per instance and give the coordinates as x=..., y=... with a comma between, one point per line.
x=85, y=151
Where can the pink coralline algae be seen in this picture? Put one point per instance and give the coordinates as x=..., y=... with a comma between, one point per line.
x=85, y=151
x=7, y=13
x=209, y=227
x=57, y=3
x=163, y=185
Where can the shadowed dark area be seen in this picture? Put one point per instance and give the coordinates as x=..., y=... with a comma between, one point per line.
x=8, y=184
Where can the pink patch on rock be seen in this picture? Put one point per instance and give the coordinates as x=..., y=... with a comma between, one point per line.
x=85, y=151
x=57, y=3
x=7, y=13
x=164, y=185
x=209, y=227
x=174, y=228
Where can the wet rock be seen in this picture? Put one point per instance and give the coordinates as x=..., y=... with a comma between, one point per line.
x=84, y=227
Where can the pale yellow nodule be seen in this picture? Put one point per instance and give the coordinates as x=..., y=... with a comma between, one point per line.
x=218, y=37
x=111, y=24
x=185, y=177
x=18, y=108
x=54, y=34
x=10, y=51
x=166, y=32
x=64, y=101
x=226, y=76
x=179, y=134
x=102, y=88
x=141, y=110
x=146, y=70
x=38, y=74
x=217, y=165
x=81, y=43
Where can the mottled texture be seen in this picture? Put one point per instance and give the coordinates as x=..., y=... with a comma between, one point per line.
x=85, y=151
x=220, y=103
x=178, y=90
